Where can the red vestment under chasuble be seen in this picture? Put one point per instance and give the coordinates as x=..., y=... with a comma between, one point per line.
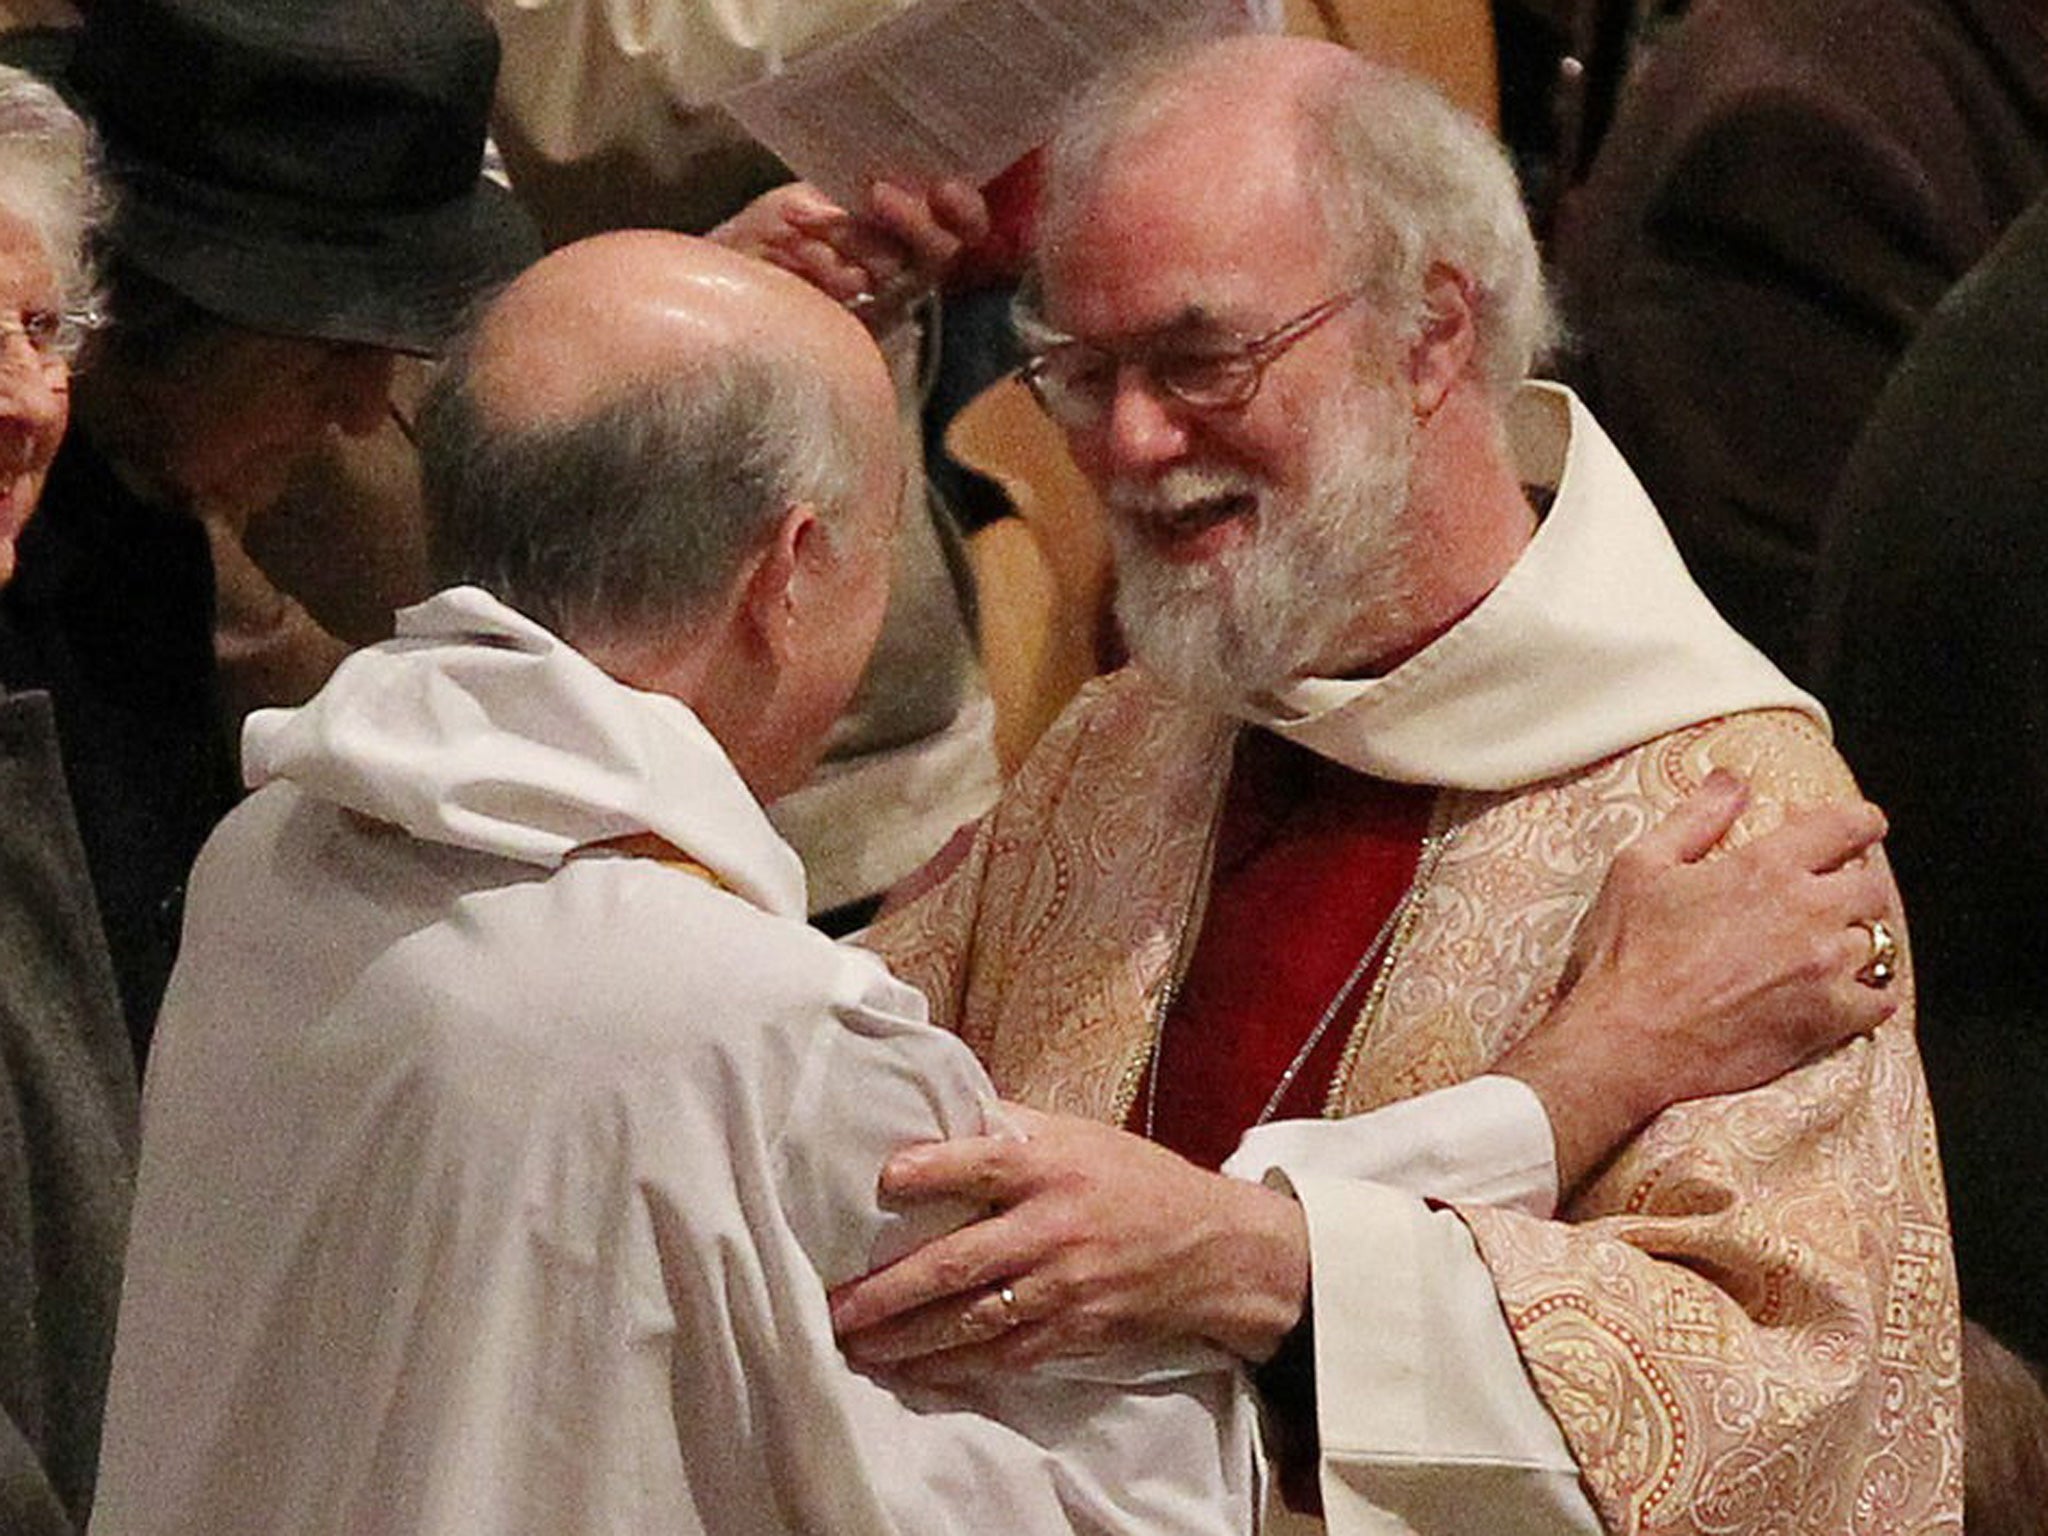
x=1311, y=862
x=1746, y=1322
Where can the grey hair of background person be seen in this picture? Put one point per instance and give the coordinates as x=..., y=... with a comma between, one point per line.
x=1403, y=181
x=632, y=521
x=49, y=180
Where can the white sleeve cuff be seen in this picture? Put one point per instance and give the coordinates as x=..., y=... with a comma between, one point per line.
x=1429, y=1423
x=1483, y=1142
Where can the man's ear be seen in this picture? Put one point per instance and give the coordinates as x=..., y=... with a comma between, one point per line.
x=780, y=582
x=1441, y=353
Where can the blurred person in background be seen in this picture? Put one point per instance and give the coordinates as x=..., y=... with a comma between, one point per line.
x=1932, y=653
x=299, y=200
x=67, y=1086
x=1788, y=187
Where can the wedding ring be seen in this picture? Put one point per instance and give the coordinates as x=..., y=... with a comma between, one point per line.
x=1883, y=964
x=990, y=1315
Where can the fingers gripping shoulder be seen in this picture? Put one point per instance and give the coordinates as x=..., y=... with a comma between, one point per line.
x=1784, y=757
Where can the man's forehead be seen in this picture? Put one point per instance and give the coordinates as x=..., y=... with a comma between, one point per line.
x=1185, y=280
x=1159, y=239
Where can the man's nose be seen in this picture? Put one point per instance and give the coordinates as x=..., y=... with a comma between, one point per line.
x=1142, y=430
x=358, y=389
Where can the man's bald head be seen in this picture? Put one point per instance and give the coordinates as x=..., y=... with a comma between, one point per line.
x=603, y=316
x=627, y=422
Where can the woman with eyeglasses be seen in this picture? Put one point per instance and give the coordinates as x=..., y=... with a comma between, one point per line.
x=47, y=199
x=67, y=1088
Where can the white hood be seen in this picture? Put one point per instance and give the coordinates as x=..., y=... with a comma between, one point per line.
x=1595, y=641
x=477, y=728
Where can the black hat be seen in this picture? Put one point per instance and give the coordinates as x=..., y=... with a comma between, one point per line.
x=305, y=167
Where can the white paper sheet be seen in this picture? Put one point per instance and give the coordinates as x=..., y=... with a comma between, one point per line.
x=953, y=88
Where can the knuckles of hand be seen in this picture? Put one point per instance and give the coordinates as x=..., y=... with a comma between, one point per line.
x=957, y=1273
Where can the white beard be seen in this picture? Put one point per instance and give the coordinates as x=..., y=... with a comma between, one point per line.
x=1233, y=630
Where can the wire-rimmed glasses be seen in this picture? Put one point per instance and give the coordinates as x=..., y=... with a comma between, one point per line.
x=1075, y=382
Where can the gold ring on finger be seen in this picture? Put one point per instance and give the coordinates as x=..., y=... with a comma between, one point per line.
x=1883, y=965
x=990, y=1315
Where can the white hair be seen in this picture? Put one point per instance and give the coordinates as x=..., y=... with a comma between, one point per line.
x=1403, y=181
x=49, y=180
x=633, y=519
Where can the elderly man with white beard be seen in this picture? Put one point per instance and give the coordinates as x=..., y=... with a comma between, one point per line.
x=1415, y=657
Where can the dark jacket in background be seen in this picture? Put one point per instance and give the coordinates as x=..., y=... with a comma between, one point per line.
x=111, y=613
x=1788, y=188
x=67, y=1141
x=1933, y=658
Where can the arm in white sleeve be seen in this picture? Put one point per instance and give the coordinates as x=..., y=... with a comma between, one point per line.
x=1426, y=1418
x=1162, y=1446
x=1486, y=1142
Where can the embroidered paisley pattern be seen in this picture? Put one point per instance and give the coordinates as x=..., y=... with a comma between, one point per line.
x=1746, y=1323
